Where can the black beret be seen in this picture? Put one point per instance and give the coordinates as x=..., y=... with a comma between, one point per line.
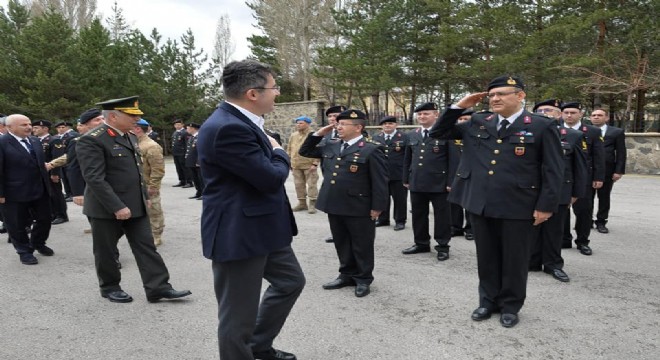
x=63, y=123
x=128, y=105
x=335, y=109
x=193, y=125
x=467, y=112
x=45, y=123
x=88, y=115
x=177, y=121
x=427, y=106
x=506, y=80
x=573, y=105
x=551, y=102
x=386, y=119
x=352, y=114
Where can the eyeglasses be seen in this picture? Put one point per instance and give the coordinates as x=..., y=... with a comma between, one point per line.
x=276, y=87
x=546, y=111
x=502, y=93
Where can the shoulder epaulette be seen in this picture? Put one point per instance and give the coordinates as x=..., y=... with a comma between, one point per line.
x=97, y=132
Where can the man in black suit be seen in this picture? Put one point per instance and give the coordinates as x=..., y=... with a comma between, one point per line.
x=614, y=141
x=595, y=151
x=425, y=171
x=24, y=189
x=247, y=222
x=116, y=202
x=546, y=250
x=395, y=143
x=179, y=143
x=40, y=129
x=508, y=180
x=191, y=160
x=353, y=194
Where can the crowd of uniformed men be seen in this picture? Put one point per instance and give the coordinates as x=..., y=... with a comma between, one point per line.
x=506, y=179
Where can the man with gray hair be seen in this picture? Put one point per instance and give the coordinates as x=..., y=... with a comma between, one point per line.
x=247, y=222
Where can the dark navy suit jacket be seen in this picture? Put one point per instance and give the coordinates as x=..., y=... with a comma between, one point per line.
x=22, y=177
x=246, y=212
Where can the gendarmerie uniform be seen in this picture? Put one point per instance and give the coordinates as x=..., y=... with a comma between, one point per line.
x=394, y=146
x=179, y=143
x=65, y=138
x=546, y=251
x=57, y=202
x=192, y=163
x=355, y=182
x=614, y=142
x=583, y=207
x=460, y=222
x=501, y=181
x=425, y=170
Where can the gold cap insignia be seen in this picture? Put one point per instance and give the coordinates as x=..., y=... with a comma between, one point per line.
x=510, y=81
x=353, y=115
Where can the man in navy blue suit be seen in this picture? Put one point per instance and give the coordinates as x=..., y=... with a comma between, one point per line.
x=247, y=223
x=24, y=189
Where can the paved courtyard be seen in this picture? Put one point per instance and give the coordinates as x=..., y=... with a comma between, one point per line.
x=418, y=309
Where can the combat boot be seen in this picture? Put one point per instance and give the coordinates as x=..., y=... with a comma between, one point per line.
x=312, y=207
x=302, y=205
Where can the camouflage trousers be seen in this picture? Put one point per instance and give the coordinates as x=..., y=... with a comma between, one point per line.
x=156, y=219
x=305, y=181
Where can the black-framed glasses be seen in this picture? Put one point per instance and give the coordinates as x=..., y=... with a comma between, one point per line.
x=502, y=93
x=546, y=111
x=276, y=87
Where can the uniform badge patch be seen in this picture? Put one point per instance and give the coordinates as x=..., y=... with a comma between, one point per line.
x=520, y=150
x=584, y=145
x=528, y=119
x=563, y=131
x=353, y=168
x=111, y=133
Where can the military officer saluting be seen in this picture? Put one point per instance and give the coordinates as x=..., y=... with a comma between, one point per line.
x=425, y=174
x=395, y=143
x=353, y=194
x=508, y=180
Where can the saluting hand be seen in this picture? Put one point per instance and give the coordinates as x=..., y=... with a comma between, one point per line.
x=123, y=214
x=325, y=130
x=471, y=100
x=541, y=216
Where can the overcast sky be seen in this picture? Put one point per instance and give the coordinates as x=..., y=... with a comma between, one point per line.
x=173, y=17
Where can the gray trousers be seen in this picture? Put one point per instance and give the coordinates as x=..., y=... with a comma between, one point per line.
x=245, y=325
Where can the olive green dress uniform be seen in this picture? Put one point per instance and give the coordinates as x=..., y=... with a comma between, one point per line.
x=394, y=149
x=425, y=169
x=110, y=165
x=501, y=181
x=355, y=182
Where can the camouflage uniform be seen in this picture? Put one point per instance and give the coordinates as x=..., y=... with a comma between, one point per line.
x=153, y=168
x=305, y=174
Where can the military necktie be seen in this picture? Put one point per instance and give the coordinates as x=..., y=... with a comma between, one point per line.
x=387, y=138
x=426, y=134
x=503, y=126
x=345, y=146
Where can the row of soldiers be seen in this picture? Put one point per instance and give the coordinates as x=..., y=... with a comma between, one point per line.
x=361, y=175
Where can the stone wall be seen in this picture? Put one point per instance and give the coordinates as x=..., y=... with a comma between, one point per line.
x=281, y=120
x=643, y=153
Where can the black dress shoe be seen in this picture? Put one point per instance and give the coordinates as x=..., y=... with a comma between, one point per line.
x=508, y=320
x=382, y=223
x=469, y=235
x=416, y=249
x=481, y=313
x=168, y=294
x=442, y=255
x=45, y=251
x=362, y=290
x=187, y=186
x=59, y=220
x=273, y=354
x=118, y=296
x=28, y=259
x=602, y=228
x=558, y=274
x=399, y=226
x=338, y=283
x=195, y=197
x=584, y=250
x=178, y=185
x=329, y=239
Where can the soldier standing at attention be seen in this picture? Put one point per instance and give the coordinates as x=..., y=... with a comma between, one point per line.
x=192, y=163
x=116, y=203
x=353, y=194
x=425, y=171
x=508, y=180
x=179, y=143
x=58, y=206
x=153, y=169
x=305, y=170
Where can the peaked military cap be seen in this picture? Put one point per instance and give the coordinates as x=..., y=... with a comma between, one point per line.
x=467, y=112
x=551, y=102
x=335, y=109
x=427, y=106
x=506, y=80
x=88, y=115
x=572, y=105
x=387, y=119
x=63, y=123
x=193, y=125
x=352, y=114
x=45, y=123
x=128, y=105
